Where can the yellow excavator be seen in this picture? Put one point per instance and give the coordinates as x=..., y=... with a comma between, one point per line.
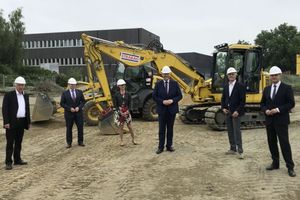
x=139, y=66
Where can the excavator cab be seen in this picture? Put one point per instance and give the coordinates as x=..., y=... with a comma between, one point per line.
x=245, y=59
x=138, y=84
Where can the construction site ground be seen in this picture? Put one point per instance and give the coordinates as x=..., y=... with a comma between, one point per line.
x=197, y=170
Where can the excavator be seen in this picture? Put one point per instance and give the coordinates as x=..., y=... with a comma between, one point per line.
x=139, y=66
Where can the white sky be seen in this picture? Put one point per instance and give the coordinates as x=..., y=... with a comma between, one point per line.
x=183, y=26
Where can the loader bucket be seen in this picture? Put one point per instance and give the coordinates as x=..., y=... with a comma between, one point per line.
x=106, y=123
x=43, y=108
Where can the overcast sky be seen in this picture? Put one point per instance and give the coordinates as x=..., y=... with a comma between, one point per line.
x=183, y=26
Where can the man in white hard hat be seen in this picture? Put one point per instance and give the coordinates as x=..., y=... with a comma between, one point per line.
x=72, y=100
x=276, y=103
x=16, y=118
x=232, y=104
x=166, y=94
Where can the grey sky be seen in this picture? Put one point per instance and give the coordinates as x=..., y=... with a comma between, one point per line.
x=183, y=26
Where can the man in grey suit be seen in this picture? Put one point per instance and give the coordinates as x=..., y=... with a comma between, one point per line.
x=233, y=103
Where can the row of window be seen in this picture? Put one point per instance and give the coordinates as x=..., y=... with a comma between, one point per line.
x=52, y=43
x=60, y=61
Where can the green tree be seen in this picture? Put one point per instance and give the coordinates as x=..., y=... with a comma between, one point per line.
x=243, y=42
x=11, y=35
x=280, y=47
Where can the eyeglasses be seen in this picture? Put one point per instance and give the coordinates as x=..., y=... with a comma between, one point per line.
x=231, y=74
x=274, y=75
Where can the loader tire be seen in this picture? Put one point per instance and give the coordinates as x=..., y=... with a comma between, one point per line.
x=149, y=110
x=90, y=113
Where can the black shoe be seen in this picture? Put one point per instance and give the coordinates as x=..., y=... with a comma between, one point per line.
x=159, y=151
x=272, y=167
x=81, y=144
x=21, y=162
x=291, y=173
x=171, y=149
x=68, y=146
x=8, y=167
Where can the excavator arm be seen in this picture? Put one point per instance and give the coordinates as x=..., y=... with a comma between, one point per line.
x=133, y=56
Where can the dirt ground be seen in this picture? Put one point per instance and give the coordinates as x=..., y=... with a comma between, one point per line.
x=198, y=169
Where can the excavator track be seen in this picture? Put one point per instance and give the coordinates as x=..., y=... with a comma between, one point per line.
x=252, y=119
x=194, y=114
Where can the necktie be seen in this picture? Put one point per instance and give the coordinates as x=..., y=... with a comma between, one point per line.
x=73, y=95
x=167, y=86
x=274, y=92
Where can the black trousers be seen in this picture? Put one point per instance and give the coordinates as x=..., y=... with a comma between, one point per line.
x=76, y=118
x=166, y=121
x=14, y=138
x=280, y=131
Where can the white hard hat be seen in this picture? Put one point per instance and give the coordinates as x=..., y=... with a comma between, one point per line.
x=275, y=70
x=231, y=70
x=121, y=82
x=20, y=80
x=166, y=70
x=72, y=81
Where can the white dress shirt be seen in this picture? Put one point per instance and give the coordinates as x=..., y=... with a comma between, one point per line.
x=231, y=86
x=167, y=82
x=21, y=105
x=73, y=96
x=272, y=88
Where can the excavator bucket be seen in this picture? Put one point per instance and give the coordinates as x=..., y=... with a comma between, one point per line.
x=106, y=123
x=43, y=108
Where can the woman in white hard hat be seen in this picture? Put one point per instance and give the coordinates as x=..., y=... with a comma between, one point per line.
x=122, y=102
x=16, y=118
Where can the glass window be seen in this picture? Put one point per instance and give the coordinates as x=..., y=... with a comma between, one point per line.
x=252, y=63
x=219, y=72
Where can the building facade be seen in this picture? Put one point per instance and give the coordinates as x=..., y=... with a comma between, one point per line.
x=63, y=51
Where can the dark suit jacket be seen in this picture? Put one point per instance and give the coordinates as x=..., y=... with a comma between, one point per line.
x=119, y=100
x=67, y=102
x=235, y=102
x=10, y=108
x=284, y=101
x=159, y=94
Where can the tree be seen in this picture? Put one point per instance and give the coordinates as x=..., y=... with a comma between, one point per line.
x=280, y=47
x=243, y=42
x=11, y=35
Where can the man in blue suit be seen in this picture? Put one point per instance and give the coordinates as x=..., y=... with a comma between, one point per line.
x=72, y=100
x=233, y=103
x=166, y=94
x=276, y=103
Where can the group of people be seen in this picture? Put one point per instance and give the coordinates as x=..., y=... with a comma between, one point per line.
x=277, y=101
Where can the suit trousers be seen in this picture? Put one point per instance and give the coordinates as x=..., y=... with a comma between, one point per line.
x=14, y=138
x=166, y=121
x=280, y=131
x=76, y=118
x=234, y=133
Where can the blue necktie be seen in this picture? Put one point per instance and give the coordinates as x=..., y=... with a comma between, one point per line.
x=73, y=95
x=274, y=92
